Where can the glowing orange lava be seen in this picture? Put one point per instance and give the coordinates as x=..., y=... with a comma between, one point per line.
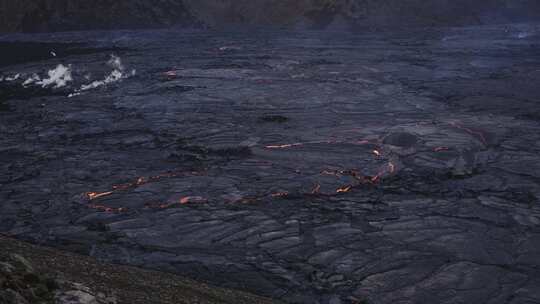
x=106, y=209
x=344, y=189
x=139, y=182
x=192, y=200
x=280, y=194
x=357, y=175
x=328, y=141
x=182, y=201
x=284, y=146
x=389, y=168
x=96, y=195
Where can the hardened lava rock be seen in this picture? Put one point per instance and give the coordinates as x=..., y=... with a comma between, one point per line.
x=310, y=167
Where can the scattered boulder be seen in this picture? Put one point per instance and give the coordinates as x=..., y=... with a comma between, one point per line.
x=79, y=294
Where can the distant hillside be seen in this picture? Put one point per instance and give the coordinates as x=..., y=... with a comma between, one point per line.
x=57, y=15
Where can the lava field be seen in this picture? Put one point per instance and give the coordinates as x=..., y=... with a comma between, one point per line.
x=306, y=166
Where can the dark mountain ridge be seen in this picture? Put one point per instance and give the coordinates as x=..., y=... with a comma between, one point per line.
x=61, y=15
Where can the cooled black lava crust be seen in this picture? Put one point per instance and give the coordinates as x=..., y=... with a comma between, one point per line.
x=313, y=167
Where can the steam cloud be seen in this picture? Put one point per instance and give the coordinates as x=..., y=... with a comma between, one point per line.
x=61, y=76
x=117, y=74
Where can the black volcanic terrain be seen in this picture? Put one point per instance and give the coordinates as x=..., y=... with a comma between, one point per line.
x=311, y=167
x=308, y=151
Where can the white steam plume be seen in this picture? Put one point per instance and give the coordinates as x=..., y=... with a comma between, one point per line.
x=59, y=77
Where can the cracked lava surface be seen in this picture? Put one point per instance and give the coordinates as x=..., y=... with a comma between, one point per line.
x=310, y=167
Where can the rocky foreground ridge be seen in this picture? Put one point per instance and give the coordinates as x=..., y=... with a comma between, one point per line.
x=59, y=15
x=32, y=274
